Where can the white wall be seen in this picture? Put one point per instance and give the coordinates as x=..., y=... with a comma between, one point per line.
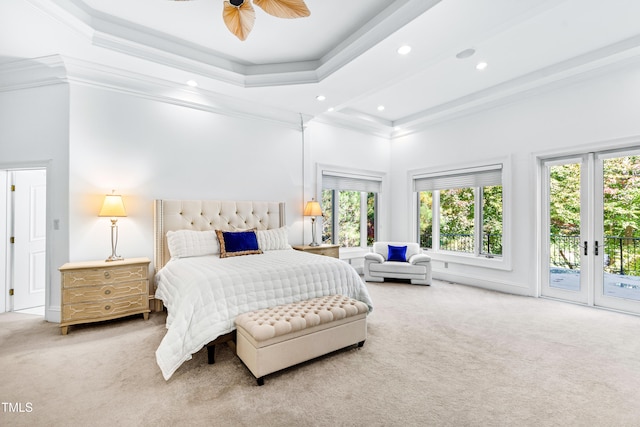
x=34, y=131
x=585, y=116
x=344, y=148
x=146, y=150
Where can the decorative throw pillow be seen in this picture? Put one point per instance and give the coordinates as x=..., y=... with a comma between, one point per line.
x=275, y=239
x=236, y=243
x=397, y=253
x=188, y=243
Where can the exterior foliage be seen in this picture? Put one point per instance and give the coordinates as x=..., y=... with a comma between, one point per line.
x=621, y=215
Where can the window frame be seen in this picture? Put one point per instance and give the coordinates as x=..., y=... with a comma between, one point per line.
x=503, y=262
x=335, y=229
x=323, y=169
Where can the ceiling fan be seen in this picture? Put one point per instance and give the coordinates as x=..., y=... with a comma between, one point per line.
x=239, y=15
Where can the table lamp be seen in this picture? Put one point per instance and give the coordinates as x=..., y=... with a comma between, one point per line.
x=114, y=208
x=313, y=210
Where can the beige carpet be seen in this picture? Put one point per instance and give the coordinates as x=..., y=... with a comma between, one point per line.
x=445, y=355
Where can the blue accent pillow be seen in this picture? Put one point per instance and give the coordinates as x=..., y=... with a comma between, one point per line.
x=397, y=253
x=235, y=243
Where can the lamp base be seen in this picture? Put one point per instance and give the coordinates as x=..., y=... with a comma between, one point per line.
x=314, y=244
x=114, y=241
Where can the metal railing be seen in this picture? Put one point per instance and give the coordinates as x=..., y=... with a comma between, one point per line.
x=461, y=242
x=621, y=254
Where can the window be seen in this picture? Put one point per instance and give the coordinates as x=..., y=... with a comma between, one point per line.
x=349, y=207
x=461, y=211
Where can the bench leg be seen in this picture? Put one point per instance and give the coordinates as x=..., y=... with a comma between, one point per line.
x=211, y=354
x=361, y=343
x=260, y=381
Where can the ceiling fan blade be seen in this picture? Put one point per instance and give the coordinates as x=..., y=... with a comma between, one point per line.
x=239, y=19
x=284, y=8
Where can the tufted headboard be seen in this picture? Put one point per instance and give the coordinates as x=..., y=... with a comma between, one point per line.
x=200, y=215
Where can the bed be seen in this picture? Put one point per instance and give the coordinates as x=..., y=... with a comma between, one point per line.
x=204, y=287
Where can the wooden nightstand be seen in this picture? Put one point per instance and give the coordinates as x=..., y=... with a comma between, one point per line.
x=327, y=250
x=99, y=290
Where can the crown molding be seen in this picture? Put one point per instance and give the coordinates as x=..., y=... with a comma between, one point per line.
x=350, y=123
x=32, y=73
x=126, y=37
x=57, y=69
x=589, y=65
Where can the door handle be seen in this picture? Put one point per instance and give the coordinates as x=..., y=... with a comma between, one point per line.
x=586, y=247
x=595, y=249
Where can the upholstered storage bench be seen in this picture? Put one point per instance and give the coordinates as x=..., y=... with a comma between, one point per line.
x=275, y=338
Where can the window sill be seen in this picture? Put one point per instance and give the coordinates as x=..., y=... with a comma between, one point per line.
x=353, y=252
x=497, y=263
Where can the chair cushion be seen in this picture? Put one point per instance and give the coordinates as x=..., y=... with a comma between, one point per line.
x=392, y=267
x=397, y=253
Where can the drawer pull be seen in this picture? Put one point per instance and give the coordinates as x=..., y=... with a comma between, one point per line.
x=107, y=274
x=107, y=292
x=107, y=307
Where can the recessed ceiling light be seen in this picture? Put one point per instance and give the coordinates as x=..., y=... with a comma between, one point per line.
x=481, y=65
x=192, y=83
x=465, y=53
x=380, y=107
x=321, y=97
x=403, y=50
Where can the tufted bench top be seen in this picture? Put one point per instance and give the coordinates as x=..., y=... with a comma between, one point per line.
x=294, y=318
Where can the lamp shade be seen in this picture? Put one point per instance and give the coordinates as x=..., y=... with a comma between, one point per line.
x=112, y=206
x=312, y=209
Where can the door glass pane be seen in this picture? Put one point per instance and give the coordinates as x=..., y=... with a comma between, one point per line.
x=621, y=221
x=564, y=226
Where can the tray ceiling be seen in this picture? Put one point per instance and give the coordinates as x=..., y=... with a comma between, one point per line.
x=347, y=52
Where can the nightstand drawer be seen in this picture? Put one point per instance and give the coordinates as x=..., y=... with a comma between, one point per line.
x=332, y=252
x=105, y=309
x=104, y=292
x=99, y=276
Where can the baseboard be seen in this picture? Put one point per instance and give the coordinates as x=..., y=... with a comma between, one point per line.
x=493, y=285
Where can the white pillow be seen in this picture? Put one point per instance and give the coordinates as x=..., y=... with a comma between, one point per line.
x=275, y=239
x=188, y=243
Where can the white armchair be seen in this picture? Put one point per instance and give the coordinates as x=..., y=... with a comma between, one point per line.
x=416, y=266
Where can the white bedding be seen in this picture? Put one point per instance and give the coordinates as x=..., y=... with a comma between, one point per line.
x=203, y=295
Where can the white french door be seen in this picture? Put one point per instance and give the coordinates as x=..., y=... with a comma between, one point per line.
x=565, y=231
x=617, y=225
x=591, y=229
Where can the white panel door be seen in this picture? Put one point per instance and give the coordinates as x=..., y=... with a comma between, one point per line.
x=30, y=239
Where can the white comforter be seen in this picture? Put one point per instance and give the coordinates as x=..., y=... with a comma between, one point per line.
x=203, y=295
